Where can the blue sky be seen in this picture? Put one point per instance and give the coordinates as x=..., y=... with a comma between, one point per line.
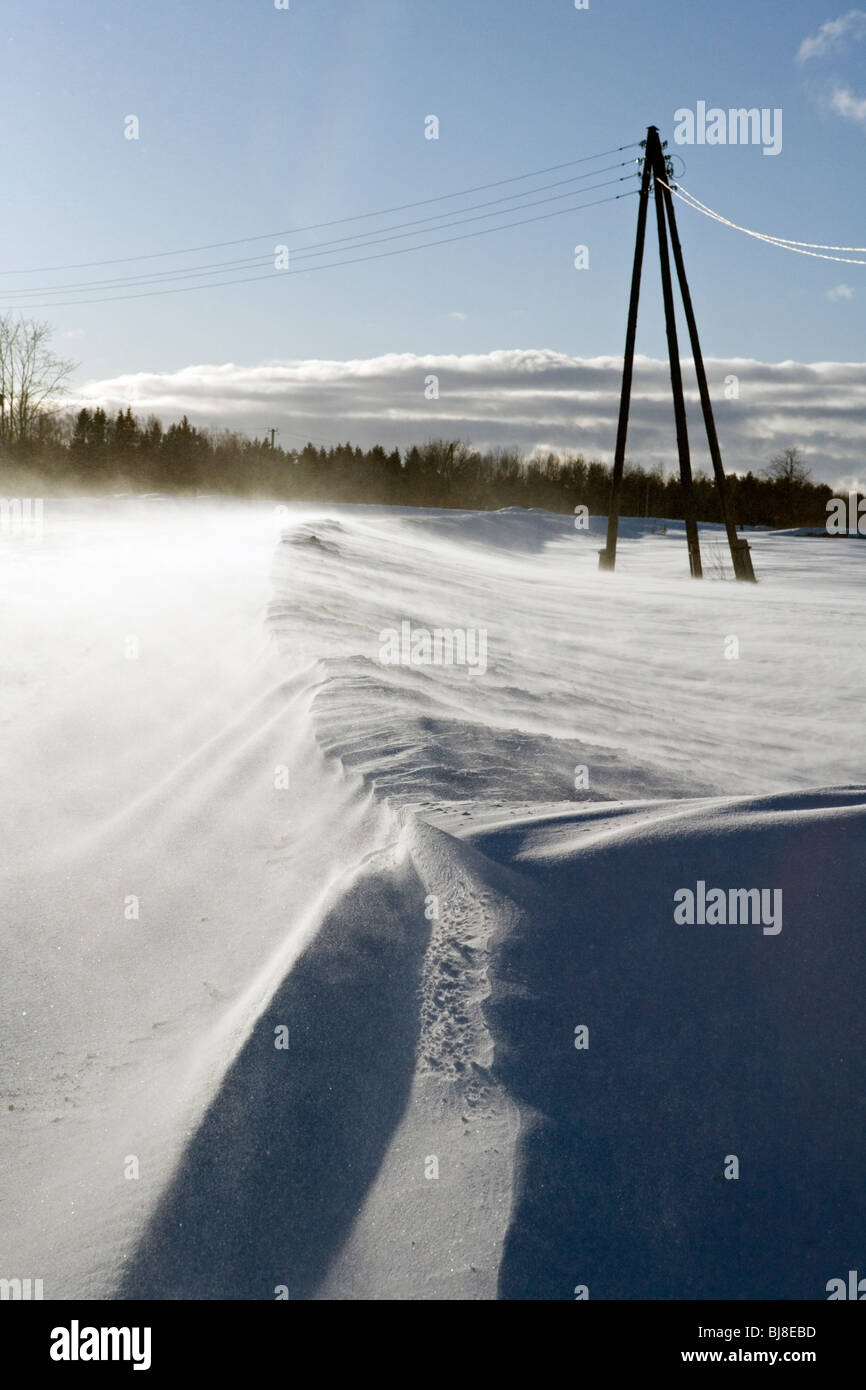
x=253, y=120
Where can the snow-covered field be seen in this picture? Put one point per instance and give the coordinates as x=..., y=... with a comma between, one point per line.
x=328, y=976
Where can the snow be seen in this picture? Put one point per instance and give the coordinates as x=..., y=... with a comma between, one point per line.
x=399, y=865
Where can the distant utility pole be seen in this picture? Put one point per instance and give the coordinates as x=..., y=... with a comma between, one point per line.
x=655, y=169
x=273, y=432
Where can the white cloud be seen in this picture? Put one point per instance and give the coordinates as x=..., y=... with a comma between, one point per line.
x=840, y=292
x=524, y=398
x=456, y=314
x=834, y=36
x=846, y=104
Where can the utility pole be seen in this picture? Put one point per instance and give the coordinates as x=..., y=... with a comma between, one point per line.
x=607, y=557
x=655, y=167
x=655, y=153
x=740, y=553
x=273, y=432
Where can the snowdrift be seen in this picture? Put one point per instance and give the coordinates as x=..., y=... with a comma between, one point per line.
x=330, y=978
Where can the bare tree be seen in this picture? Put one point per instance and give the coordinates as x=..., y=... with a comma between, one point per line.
x=32, y=378
x=788, y=467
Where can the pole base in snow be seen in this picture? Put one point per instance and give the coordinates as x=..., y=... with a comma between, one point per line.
x=741, y=555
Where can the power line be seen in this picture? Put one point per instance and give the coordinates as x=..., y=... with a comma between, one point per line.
x=319, y=226
x=373, y=238
x=803, y=248
x=766, y=236
x=310, y=269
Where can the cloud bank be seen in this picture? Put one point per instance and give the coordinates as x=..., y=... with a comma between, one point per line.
x=529, y=399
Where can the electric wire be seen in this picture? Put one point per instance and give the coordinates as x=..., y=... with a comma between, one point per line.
x=803, y=248
x=355, y=260
x=324, y=248
x=319, y=226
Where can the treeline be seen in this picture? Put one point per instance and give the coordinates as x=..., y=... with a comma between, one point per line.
x=122, y=452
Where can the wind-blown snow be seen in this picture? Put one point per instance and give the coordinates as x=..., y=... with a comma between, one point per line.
x=394, y=863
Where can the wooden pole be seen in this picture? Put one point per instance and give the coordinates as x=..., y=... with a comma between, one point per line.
x=607, y=557
x=740, y=553
x=656, y=155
